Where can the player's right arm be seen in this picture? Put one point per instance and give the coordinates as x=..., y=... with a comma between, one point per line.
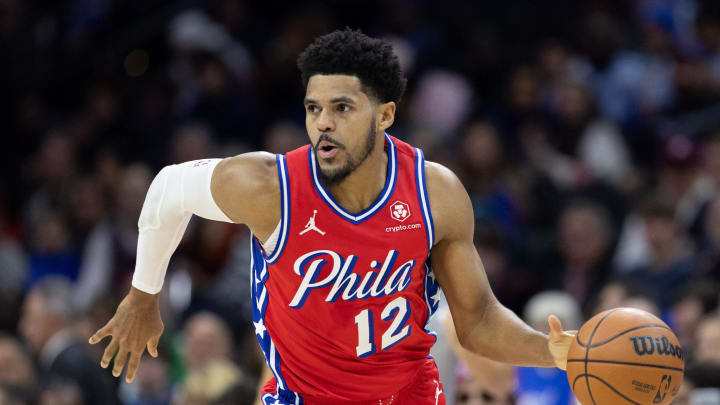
x=242, y=189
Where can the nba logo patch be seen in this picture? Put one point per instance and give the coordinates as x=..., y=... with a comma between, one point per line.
x=399, y=211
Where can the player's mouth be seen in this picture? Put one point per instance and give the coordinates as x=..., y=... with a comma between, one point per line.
x=327, y=150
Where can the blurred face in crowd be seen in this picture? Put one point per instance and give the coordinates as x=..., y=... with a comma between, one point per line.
x=707, y=345
x=15, y=367
x=343, y=123
x=206, y=338
x=61, y=395
x=87, y=203
x=583, y=236
x=660, y=231
x=50, y=233
x=55, y=159
x=481, y=147
x=131, y=191
x=611, y=296
x=471, y=392
x=686, y=315
x=37, y=323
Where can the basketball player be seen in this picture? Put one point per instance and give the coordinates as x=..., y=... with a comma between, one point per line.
x=353, y=236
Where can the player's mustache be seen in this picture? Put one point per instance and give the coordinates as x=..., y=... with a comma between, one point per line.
x=328, y=138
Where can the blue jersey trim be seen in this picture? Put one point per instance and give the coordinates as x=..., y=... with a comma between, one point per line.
x=259, y=297
x=423, y=197
x=382, y=199
x=431, y=295
x=283, y=177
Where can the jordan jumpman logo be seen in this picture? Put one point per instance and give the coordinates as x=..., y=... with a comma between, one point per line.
x=310, y=226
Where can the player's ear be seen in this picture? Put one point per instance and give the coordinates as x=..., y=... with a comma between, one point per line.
x=385, y=115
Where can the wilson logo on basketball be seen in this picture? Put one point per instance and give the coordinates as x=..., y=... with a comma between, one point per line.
x=649, y=345
x=399, y=211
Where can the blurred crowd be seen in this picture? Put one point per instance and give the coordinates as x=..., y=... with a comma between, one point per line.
x=586, y=132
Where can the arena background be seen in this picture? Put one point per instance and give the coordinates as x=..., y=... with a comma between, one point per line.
x=587, y=133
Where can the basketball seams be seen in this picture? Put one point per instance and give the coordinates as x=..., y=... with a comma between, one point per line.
x=587, y=352
x=649, y=325
x=612, y=388
x=628, y=363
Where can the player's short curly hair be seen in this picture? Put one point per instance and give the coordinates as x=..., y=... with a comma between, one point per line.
x=354, y=53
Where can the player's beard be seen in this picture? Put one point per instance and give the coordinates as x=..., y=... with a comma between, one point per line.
x=331, y=177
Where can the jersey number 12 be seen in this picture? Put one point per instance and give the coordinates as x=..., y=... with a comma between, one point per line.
x=398, y=308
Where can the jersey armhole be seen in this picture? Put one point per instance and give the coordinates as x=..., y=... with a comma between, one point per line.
x=423, y=197
x=284, y=225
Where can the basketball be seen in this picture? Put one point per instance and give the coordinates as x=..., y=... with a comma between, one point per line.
x=625, y=356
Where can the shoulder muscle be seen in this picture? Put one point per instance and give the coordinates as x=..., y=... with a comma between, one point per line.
x=247, y=189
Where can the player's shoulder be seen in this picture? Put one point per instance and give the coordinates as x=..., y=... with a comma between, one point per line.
x=449, y=201
x=442, y=181
x=254, y=169
x=244, y=186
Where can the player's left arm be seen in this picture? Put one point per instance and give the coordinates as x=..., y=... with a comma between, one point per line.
x=483, y=324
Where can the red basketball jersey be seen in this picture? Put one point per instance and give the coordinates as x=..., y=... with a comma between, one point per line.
x=341, y=304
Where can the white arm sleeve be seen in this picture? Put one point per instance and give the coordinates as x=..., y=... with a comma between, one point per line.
x=176, y=193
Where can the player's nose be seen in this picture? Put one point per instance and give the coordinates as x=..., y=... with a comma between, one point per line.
x=325, y=122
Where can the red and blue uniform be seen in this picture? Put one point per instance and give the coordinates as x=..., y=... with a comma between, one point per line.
x=342, y=303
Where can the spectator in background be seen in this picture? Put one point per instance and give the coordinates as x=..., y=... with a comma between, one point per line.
x=578, y=148
x=693, y=302
x=469, y=391
x=701, y=385
x=108, y=258
x=209, y=383
x=708, y=258
x=152, y=384
x=191, y=141
x=62, y=393
x=15, y=395
x=709, y=152
x=53, y=252
x=479, y=380
x=485, y=177
x=206, y=337
x=51, y=171
x=670, y=261
x=584, y=244
x=511, y=283
x=707, y=340
x=682, y=181
x=547, y=386
x=16, y=367
x=46, y=325
x=13, y=262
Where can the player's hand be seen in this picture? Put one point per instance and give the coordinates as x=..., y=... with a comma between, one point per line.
x=135, y=326
x=559, y=341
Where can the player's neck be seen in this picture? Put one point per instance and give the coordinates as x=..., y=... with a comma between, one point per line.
x=362, y=187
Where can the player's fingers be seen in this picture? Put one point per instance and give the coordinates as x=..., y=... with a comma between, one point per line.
x=555, y=325
x=152, y=345
x=100, y=334
x=133, y=365
x=109, y=353
x=120, y=360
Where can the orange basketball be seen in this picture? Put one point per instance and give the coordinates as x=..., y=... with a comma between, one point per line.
x=625, y=356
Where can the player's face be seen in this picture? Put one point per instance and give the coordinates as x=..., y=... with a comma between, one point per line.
x=341, y=121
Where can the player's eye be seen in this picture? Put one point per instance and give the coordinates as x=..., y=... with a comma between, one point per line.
x=343, y=107
x=312, y=109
